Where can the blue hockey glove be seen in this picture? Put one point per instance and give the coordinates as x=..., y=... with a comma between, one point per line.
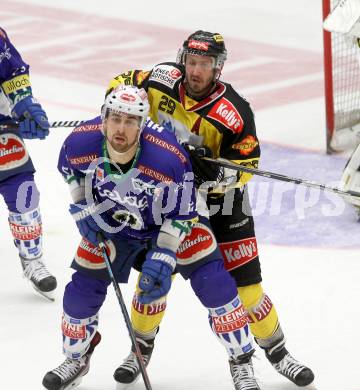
x=30, y=130
x=83, y=216
x=155, y=280
x=6, y=120
x=33, y=120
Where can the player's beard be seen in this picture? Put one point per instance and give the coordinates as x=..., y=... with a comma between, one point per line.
x=122, y=153
x=197, y=88
x=124, y=146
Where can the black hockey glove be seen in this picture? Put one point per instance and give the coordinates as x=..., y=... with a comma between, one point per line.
x=204, y=171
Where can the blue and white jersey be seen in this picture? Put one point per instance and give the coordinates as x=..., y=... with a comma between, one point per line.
x=134, y=204
x=15, y=85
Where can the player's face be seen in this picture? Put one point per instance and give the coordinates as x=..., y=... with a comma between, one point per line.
x=199, y=71
x=122, y=130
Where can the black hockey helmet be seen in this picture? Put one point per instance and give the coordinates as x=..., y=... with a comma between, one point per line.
x=204, y=43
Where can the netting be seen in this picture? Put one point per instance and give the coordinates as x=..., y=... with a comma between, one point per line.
x=346, y=78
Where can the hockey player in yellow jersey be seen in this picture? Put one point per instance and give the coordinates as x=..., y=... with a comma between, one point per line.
x=211, y=119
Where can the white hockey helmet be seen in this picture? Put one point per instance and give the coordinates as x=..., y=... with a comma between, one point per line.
x=127, y=99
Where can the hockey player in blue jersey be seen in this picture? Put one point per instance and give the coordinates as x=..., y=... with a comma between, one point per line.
x=132, y=181
x=210, y=117
x=21, y=116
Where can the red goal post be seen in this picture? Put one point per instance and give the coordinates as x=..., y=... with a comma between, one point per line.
x=342, y=79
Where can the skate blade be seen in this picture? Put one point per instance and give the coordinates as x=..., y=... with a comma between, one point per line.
x=74, y=384
x=124, y=386
x=311, y=386
x=48, y=295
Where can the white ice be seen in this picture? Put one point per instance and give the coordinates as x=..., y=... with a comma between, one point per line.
x=318, y=310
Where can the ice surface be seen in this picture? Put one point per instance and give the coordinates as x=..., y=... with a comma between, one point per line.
x=275, y=60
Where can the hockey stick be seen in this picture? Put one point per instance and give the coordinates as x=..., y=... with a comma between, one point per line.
x=278, y=176
x=52, y=124
x=125, y=313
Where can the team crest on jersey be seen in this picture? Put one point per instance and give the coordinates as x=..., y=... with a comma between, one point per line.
x=196, y=245
x=130, y=219
x=166, y=74
x=246, y=146
x=13, y=153
x=238, y=253
x=225, y=113
x=90, y=256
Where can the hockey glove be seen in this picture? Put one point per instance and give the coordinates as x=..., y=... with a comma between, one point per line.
x=33, y=120
x=204, y=171
x=155, y=280
x=82, y=212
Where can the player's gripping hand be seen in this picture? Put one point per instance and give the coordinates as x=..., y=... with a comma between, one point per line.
x=155, y=280
x=33, y=120
x=83, y=214
x=203, y=170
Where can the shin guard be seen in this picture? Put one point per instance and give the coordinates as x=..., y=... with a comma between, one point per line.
x=229, y=323
x=77, y=335
x=216, y=290
x=262, y=316
x=146, y=318
x=26, y=229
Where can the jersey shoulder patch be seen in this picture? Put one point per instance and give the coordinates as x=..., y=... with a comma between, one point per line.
x=225, y=112
x=166, y=74
x=165, y=145
x=89, y=126
x=83, y=145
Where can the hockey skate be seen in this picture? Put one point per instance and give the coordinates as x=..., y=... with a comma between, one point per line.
x=41, y=279
x=70, y=373
x=128, y=373
x=242, y=372
x=286, y=365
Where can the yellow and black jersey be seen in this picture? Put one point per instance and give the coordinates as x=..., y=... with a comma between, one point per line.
x=223, y=121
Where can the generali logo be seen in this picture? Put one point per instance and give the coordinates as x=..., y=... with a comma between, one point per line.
x=225, y=113
x=238, y=253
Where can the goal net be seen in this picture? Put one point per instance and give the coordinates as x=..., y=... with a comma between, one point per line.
x=342, y=80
